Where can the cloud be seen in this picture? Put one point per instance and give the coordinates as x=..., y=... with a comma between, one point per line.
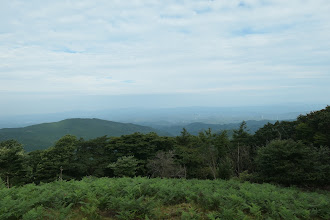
x=164, y=47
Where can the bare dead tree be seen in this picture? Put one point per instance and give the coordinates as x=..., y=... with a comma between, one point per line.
x=61, y=173
x=163, y=165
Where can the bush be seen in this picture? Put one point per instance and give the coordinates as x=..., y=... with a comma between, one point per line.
x=288, y=162
x=125, y=166
x=225, y=170
x=142, y=198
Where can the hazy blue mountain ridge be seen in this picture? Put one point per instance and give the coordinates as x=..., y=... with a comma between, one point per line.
x=168, y=116
x=196, y=127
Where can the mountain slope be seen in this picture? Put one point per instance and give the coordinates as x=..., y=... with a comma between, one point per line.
x=42, y=136
x=195, y=128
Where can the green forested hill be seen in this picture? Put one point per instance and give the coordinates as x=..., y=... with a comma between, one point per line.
x=195, y=128
x=42, y=136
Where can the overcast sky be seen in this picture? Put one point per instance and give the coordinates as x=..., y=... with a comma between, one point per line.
x=91, y=54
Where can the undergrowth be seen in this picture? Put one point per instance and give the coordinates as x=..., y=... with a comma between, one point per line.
x=142, y=198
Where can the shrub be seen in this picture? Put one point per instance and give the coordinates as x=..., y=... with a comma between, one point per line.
x=287, y=162
x=124, y=166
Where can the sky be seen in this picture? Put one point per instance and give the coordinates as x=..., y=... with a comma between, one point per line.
x=96, y=54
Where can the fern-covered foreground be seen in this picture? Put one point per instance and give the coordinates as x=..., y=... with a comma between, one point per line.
x=142, y=198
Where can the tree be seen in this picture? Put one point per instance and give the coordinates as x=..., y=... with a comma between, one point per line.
x=33, y=160
x=214, y=150
x=142, y=146
x=58, y=160
x=314, y=128
x=11, y=162
x=187, y=150
x=164, y=165
x=209, y=151
x=240, y=153
x=279, y=130
x=287, y=162
x=92, y=157
x=125, y=166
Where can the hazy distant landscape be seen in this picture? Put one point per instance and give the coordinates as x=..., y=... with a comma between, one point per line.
x=40, y=131
x=151, y=109
x=164, y=117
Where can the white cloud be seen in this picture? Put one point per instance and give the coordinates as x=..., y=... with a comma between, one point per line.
x=163, y=46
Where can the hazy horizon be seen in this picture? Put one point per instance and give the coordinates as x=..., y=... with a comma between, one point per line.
x=129, y=103
x=156, y=117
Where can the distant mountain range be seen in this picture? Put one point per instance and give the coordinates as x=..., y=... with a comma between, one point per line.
x=195, y=128
x=42, y=136
x=168, y=116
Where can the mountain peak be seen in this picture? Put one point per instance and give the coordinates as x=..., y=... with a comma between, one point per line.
x=41, y=136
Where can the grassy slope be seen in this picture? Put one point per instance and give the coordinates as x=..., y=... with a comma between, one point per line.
x=42, y=136
x=142, y=198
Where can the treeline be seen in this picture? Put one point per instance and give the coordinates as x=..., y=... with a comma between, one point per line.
x=289, y=153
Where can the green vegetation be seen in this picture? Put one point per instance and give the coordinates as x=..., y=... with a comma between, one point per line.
x=289, y=162
x=142, y=198
x=280, y=153
x=11, y=162
x=124, y=166
x=293, y=153
x=42, y=136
